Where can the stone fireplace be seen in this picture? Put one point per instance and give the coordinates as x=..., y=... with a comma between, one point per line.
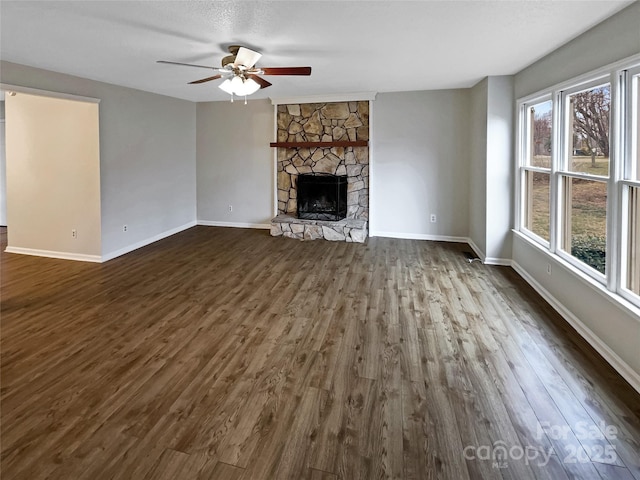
x=326, y=139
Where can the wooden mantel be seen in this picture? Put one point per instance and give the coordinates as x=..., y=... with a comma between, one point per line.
x=357, y=143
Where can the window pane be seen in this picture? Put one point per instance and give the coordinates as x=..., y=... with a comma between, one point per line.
x=589, y=129
x=635, y=133
x=585, y=221
x=632, y=260
x=537, y=203
x=539, y=148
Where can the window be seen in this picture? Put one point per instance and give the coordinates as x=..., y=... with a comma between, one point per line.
x=630, y=251
x=584, y=221
x=584, y=174
x=536, y=170
x=537, y=203
x=579, y=176
x=588, y=118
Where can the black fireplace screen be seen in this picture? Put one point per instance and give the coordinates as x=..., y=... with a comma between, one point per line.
x=322, y=196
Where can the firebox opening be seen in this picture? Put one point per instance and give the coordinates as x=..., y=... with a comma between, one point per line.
x=322, y=196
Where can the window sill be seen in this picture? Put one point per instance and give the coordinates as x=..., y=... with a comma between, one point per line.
x=613, y=297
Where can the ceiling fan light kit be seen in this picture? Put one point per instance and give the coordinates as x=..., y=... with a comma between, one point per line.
x=241, y=76
x=239, y=86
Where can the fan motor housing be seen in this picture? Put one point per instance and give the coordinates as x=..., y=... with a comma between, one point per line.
x=233, y=49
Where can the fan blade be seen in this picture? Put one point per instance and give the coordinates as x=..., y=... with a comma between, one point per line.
x=286, y=70
x=246, y=57
x=260, y=81
x=186, y=64
x=208, y=79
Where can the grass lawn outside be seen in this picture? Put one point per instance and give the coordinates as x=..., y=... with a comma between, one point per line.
x=588, y=209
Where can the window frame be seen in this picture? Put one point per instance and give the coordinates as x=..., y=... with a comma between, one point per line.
x=563, y=171
x=524, y=167
x=566, y=137
x=561, y=207
x=622, y=128
x=630, y=150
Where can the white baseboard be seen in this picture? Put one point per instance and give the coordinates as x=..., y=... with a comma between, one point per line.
x=505, y=262
x=419, y=236
x=488, y=260
x=445, y=238
x=146, y=241
x=208, y=223
x=476, y=250
x=602, y=348
x=81, y=257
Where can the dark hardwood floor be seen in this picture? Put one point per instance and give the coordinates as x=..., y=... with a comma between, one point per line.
x=229, y=354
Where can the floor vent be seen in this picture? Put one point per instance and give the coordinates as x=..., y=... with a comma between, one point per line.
x=471, y=257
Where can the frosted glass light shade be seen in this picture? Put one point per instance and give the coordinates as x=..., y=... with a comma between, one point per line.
x=226, y=86
x=236, y=86
x=248, y=87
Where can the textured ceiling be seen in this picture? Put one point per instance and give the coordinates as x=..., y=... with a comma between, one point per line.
x=353, y=46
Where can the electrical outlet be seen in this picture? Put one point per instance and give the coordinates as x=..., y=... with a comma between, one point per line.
x=74, y=233
x=433, y=218
x=124, y=228
x=548, y=269
x=230, y=208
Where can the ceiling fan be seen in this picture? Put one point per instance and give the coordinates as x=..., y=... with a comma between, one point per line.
x=241, y=76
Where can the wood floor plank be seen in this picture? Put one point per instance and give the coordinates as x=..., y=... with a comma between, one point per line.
x=341, y=445
x=613, y=472
x=228, y=354
x=303, y=435
x=566, y=445
x=223, y=471
x=253, y=423
x=320, y=475
x=454, y=393
x=419, y=441
x=603, y=414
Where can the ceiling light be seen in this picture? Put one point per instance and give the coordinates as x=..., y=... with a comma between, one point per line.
x=226, y=86
x=240, y=86
x=250, y=86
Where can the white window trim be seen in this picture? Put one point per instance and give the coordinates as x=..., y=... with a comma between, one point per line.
x=624, y=232
x=522, y=155
x=625, y=149
x=533, y=235
x=632, y=126
x=563, y=170
x=616, y=74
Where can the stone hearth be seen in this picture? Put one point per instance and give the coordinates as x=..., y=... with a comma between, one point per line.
x=323, y=122
x=345, y=230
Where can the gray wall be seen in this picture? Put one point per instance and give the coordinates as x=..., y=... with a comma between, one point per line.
x=53, y=176
x=147, y=156
x=235, y=163
x=616, y=38
x=613, y=329
x=500, y=166
x=491, y=166
x=419, y=155
x=420, y=163
x=477, y=165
